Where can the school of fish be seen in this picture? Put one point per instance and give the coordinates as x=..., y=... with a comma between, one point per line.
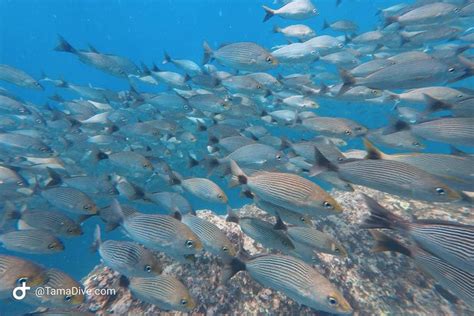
x=105, y=153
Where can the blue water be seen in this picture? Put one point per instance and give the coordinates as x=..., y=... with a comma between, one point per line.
x=142, y=30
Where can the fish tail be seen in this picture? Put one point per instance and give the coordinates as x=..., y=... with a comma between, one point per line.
x=238, y=176
x=322, y=164
x=372, y=151
x=381, y=217
x=285, y=143
x=207, y=53
x=276, y=29
x=232, y=217
x=55, y=178
x=231, y=268
x=175, y=179
x=98, y=155
x=325, y=25
x=124, y=281
x=386, y=243
x=9, y=213
x=211, y=163
x=268, y=13
x=64, y=46
x=347, y=81
x=192, y=162
x=97, y=239
x=166, y=58
x=399, y=125
x=118, y=217
x=389, y=20
x=338, y=2
x=404, y=40
x=434, y=105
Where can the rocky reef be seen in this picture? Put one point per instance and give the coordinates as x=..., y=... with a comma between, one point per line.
x=374, y=284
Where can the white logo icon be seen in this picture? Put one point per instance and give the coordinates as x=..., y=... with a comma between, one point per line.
x=19, y=293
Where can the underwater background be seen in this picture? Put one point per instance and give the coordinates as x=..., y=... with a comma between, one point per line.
x=141, y=31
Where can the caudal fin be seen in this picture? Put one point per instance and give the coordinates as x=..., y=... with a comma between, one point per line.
x=207, y=53
x=64, y=46
x=231, y=268
x=166, y=58
x=386, y=243
x=322, y=164
x=381, y=218
x=232, y=217
x=325, y=25
x=238, y=176
x=268, y=13
x=347, y=81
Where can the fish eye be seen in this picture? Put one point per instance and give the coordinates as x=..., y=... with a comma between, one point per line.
x=189, y=243
x=224, y=248
x=21, y=110
x=52, y=245
x=340, y=45
x=22, y=280
x=340, y=159
x=457, y=10
x=416, y=144
x=259, y=86
x=220, y=196
x=358, y=128
x=67, y=298
x=38, y=121
x=43, y=149
x=332, y=301
x=327, y=205
x=451, y=69
x=278, y=156
x=374, y=92
x=184, y=302
x=336, y=249
x=269, y=59
x=348, y=132
x=440, y=191
x=87, y=207
x=148, y=268
x=20, y=183
x=303, y=219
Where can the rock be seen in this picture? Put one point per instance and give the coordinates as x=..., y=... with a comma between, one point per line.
x=374, y=284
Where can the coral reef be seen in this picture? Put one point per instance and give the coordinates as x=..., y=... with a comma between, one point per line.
x=374, y=284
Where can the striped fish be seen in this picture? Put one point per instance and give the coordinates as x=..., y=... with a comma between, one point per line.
x=33, y=241
x=55, y=222
x=389, y=176
x=242, y=56
x=164, y=291
x=452, y=130
x=286, y=215
x=70, y=200
x=204, y=189
x=453, y=242
x=334, y=126
x=262, y=231
x=287, y=190
x=308, y=238
x=67, y=292
x=294, y=278
x=457, y=281
x=455, y=170
x=160, y=232
x=14, y=271
x=215, y=240
x=126, y=257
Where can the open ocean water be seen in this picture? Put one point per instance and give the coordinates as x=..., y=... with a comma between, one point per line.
x=142, y=31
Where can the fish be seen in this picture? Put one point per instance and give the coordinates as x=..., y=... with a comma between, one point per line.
x=126, y=257
x=296, y=53
x=24, y=145
x=202, y=188
x=334, y=126
x=164, y=291
x=294, y=278
x=308, y=238
x=31, y=241
x=455, y=280
x=286, y=215
x=345, y=26
x=402, y=139
x=171, y=202
x=64, y=291
x=53, y=221
x=209, y=103
x=242, y=56
x=189, y=66
x=436, y=12
x=451, y=130
x=262, y=232
x=18, y=77
x=287, y=190
x=15, y=271
x=128, y=160
x=10, y=178
x=69, y=200
x=390, y=176
x=450, y=241
x=299, y=31
x=452, y=169
x=294, y=10
x=159, y=232
x=11, y=106
x=213, y=238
